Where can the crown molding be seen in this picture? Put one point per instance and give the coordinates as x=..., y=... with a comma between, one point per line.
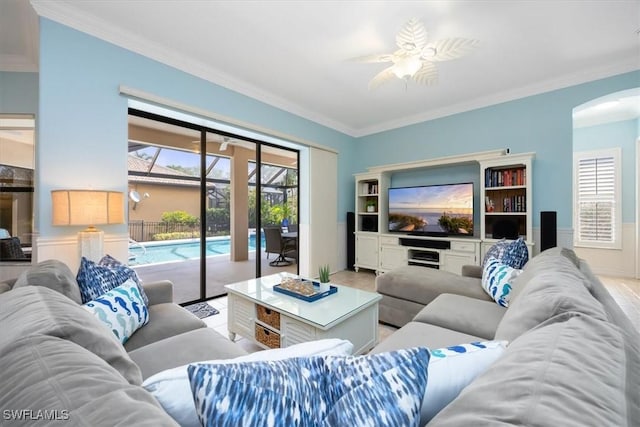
x=498, y=98
x=64, y=13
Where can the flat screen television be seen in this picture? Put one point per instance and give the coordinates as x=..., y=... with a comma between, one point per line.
x=436, y=210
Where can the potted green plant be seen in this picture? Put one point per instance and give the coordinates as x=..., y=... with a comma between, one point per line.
x=323, y=275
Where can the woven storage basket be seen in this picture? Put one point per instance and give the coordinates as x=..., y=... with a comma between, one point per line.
x=268, y=316
x=267, y=337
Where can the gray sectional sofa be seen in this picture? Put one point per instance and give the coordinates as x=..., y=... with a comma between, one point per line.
x=573, y=356
x=58, y=363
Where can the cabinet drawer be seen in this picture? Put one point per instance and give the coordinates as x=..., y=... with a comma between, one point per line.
x=389, y=241
x=267, y=337
x=463, y=246
x=268, y=316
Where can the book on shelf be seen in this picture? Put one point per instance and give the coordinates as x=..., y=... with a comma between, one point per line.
x=505, y=177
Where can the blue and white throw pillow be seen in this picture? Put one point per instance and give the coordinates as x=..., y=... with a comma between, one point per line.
x=496, y=280
x=172, y=390
x=96, y=279
x=516, y=254
x=451, y=369
x=121, y=309
x=383, y=389
x=496, y=251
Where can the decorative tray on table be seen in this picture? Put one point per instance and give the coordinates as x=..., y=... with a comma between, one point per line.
x=306, y=290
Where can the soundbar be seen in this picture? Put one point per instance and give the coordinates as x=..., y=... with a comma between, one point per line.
x=425, y=243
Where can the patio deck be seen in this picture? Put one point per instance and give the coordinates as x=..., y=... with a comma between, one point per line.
x=221, y=271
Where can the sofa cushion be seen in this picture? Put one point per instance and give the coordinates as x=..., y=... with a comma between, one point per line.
x=417, y=334
x=568, y=371
x=422, y=285
x=122, y=310
x=172, y=389
x=165, y=320
x=463, y=314
x=94, y=279
x=46, y=373
x=550, y=292
x=36, y=310
x=125, y=271
x=549, y=260
x=52, y=274
x=5, y=287
x=182, y=349
x=497, y=279
x=380, y=389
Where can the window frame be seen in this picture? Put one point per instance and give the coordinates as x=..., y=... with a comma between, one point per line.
x=616, y=154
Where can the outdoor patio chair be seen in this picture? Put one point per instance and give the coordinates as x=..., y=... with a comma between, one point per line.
x=275, y=244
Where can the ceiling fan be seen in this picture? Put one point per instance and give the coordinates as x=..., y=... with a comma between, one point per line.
x=416, y=57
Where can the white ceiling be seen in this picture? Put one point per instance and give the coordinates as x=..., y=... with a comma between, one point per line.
x=295, y=55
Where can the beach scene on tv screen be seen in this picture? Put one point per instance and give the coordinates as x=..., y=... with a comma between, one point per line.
x=432, y=209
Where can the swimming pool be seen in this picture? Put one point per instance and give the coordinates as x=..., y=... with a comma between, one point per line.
x=180, y=250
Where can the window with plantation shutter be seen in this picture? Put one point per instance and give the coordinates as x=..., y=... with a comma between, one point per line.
x=597, y=192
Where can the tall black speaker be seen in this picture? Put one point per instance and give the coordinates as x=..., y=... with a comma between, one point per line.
x=548, y=230
x=351, y=240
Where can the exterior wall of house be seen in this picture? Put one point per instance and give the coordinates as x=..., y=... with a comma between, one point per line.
x=163, y=198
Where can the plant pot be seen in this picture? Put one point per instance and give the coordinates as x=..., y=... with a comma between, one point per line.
x=325, y=286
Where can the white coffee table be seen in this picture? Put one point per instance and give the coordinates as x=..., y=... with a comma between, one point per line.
x=274, y=320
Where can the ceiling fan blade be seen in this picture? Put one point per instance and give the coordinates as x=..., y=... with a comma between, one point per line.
x=447, y=49
x=381, y=78
x=412, y=37
x=383, y=57
x=426, y=75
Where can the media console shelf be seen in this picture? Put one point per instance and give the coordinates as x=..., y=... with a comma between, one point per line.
x=505, y=203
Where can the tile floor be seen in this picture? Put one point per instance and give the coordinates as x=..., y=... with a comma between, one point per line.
x=626, y=292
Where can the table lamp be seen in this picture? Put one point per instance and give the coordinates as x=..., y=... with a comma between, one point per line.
x=90, y=208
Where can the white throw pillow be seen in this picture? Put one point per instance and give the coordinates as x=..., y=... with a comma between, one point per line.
x=497, y=280
x=122, y=310
x=172, y=389
x=451, y=369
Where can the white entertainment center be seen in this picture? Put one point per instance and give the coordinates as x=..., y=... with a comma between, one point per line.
x=505, y=201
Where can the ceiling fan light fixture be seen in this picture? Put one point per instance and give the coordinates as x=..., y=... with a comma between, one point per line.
x=407, y=67
x=429, y=52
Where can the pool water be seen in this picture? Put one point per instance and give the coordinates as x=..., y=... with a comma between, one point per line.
x=156, y=252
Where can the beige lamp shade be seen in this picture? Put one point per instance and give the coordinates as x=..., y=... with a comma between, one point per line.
x=87, y=207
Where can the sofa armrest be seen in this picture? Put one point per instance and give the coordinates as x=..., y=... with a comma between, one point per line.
x=472, y=271
x=159, y=292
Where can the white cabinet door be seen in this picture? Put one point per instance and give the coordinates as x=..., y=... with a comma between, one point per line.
x=392, y=257
x=366, y=251
x=453, y=261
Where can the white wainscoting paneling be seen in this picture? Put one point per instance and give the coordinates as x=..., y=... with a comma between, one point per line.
x=65, y=249
x=613, y=262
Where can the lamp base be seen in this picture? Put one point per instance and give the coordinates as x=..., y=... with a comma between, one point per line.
x=90, y=244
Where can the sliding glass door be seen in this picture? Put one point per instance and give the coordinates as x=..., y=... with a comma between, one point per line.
x=195, y=216
x=164, y=204
x=278, y=191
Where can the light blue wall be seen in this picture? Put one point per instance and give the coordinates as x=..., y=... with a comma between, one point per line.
x=540, y=124
x=83, y=119
x=83, y=123
x=18, y=93
x=621, y=134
